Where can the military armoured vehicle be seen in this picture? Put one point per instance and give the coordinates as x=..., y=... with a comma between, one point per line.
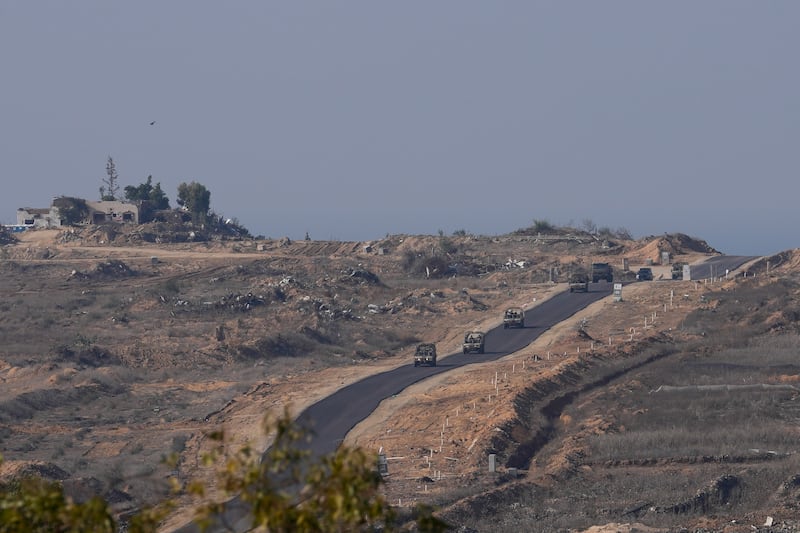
x=677, y=270
x=514, y=317
x=425, y=355
x=578, y=282
x=474, y=342
x=602, y=271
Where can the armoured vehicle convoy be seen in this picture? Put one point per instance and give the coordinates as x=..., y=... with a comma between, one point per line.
x=514, y=317
x=474, y=342
x=602, y=271
x=425, y=355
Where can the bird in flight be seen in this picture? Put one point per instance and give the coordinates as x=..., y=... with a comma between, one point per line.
x=153, y=123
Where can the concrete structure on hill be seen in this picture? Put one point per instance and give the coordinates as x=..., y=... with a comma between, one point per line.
x=112, y=211
x=35, y=217
x=97, y=213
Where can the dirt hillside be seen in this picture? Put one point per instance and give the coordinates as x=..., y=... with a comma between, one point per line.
x=118, y=352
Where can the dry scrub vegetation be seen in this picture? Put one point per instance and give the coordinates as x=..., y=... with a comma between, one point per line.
x=672, y=408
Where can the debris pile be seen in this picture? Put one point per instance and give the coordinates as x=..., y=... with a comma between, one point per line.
x=360, y=276
x=113, y=268
x=238, y=302
x=107, y=270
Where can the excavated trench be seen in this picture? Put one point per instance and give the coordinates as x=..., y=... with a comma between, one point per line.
x=539, y=408
x=571, y=385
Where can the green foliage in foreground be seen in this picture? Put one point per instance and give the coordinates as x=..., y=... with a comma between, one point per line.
x=37, y=505
x=285, y=492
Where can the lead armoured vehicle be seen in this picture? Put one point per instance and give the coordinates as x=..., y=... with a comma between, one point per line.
x=425, y=355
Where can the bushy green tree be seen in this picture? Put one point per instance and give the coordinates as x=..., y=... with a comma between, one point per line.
x=288, y=493
x=36, y=505
x=196, y=199
x=148, y=197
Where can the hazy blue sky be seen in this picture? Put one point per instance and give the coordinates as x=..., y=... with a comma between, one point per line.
x=351, y=120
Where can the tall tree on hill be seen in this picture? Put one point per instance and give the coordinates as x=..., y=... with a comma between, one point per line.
x=110, y=187
x=148, y=197
x=196, y=199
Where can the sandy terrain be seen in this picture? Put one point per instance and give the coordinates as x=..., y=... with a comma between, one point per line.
x=169, y=386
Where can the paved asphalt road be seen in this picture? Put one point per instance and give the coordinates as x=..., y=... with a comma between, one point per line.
x=716, y=267
x=331, y=418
